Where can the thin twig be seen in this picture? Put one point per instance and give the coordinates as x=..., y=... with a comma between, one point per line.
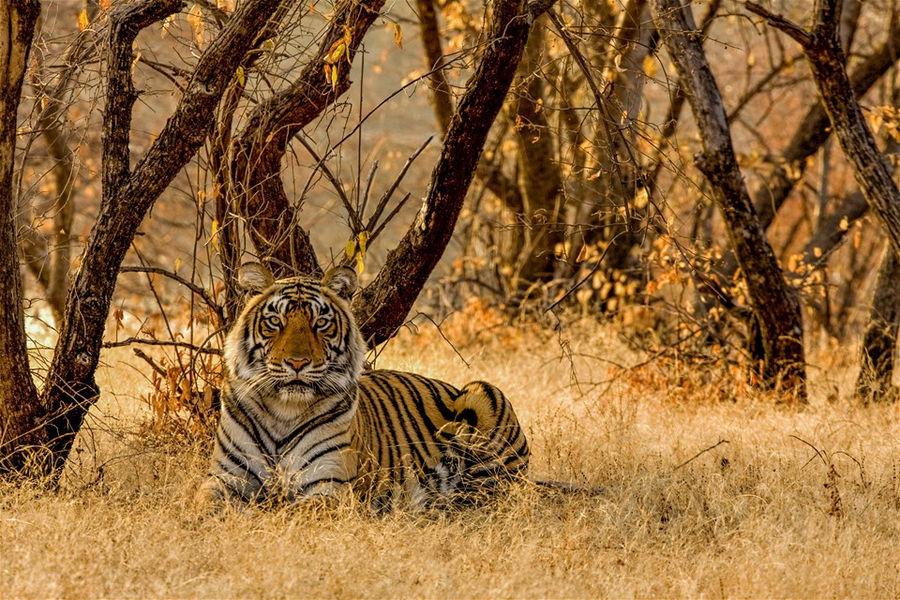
x=446, y=339
x=143, y=355
x=382, y=203
x=365, y=198
x=175, y=277
x=390, y=216
x=701, y=453
x=355, y=224
x=149, y=342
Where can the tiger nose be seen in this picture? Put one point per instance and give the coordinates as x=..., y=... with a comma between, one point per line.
x=296, y=363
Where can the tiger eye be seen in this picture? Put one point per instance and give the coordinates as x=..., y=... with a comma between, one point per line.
x=272, y=322
x=324, y=325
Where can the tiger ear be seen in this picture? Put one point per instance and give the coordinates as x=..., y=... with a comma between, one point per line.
x=254, y=277
x=342, y=281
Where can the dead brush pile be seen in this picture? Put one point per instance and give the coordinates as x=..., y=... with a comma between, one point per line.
x=710, y=490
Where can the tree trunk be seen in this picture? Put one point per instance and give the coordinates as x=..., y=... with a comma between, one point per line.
x=434, y=62
x=70, y=388
x=774, y=303
x=879, y=346
x=822, y=47
x=383, y=305
x=18, y=395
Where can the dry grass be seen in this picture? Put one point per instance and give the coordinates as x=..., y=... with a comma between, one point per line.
x=759, y=516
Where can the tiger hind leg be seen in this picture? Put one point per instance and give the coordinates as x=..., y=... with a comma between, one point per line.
x=488, y=441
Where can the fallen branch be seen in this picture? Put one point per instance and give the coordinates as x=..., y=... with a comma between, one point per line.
x=701, y=453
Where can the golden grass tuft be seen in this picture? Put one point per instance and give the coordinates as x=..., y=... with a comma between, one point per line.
x=762, y=515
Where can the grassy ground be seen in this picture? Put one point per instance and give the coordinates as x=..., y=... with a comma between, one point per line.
x=760, y=515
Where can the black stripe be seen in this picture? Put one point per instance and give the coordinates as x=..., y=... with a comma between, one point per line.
x=235, y=459
x=290, y=441
x=407, y=423
x=310, y=460
x=386, y=424
x=326, y=440
x=415, y=396
x=252, y=430
x=378, y=434
x=446, y=412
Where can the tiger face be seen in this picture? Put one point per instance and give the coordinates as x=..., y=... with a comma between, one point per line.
x=296, y=340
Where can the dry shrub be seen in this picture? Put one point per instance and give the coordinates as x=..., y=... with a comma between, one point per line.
x=184, y=400
x=479, y=321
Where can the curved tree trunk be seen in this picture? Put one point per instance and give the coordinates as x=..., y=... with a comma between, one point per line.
x=128, y=194
x=774, y=303
x=257, y=188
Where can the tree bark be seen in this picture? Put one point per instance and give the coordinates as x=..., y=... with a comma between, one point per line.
x=383, y=305
x=18, y=395
x=774, y=303
x=822, y=48
x=879, y=346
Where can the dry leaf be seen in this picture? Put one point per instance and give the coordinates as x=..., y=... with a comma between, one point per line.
x=195, y=20
x=642, y=198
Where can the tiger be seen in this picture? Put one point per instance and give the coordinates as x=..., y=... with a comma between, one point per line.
x=301, y=416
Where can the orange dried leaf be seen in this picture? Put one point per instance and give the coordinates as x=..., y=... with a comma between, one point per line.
x=83, y=20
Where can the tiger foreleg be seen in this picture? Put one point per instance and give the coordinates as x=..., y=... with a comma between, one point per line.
x=217, y=493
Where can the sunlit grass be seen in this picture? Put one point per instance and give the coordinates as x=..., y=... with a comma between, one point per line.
x=750, y=517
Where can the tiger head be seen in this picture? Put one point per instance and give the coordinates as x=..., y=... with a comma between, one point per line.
x=296, y=338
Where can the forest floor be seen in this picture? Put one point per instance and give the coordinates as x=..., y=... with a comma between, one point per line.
x=760, y=514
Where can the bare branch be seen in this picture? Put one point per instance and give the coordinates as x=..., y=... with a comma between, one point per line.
x=799, y=34
x=170, y=343
x=386, y=197
x=188, y=284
